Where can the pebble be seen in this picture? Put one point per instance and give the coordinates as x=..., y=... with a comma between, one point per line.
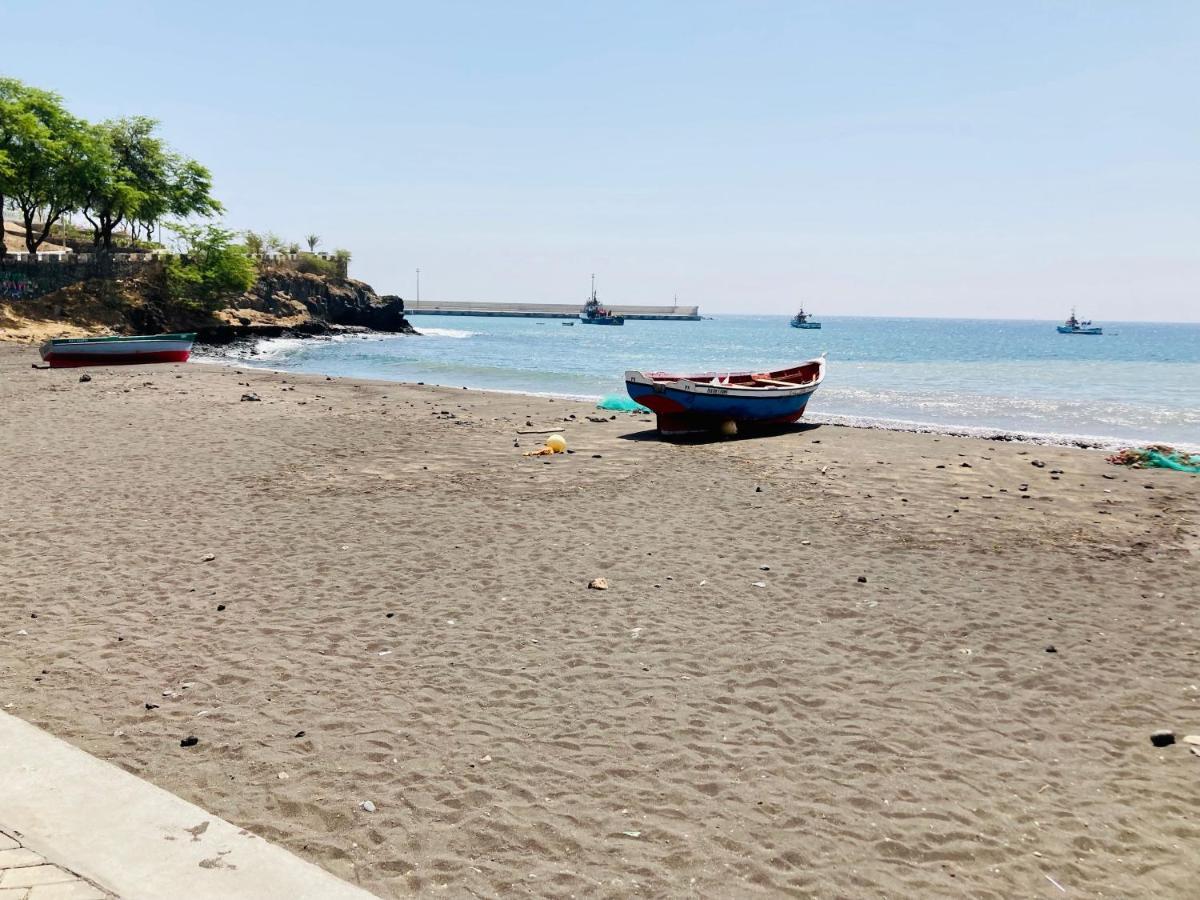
x=862, y=579
x=598, y=584
x=764, y=568
x=220, y=607
x=209, y=557
x=1162, y=738
x=299, y=734
x=85, y=377
x=1037, y=464
x=150, y=706
x=251, y=397
x=190, y=741
x=367, y=806
x=1051, y=649
x=760, y=584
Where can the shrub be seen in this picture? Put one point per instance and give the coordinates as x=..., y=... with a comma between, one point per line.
x=212, y=269
x=315, y=265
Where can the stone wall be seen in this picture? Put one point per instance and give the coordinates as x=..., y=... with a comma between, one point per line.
x=26, y=276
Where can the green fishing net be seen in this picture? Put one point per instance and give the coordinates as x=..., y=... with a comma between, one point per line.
x=1158, y=456
x=617, y=403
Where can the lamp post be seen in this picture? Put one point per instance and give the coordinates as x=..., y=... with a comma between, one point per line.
x=418, y=285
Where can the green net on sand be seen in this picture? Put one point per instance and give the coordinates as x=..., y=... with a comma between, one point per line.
x=617, y=403
x=1158, y=456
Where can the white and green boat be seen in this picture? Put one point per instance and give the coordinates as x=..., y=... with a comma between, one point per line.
x=117, y=351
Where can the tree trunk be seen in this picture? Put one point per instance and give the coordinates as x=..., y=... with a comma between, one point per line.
x=3, y=242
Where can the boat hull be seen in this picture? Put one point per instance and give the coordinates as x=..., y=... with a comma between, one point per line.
x=607, y=320
x=1067, y=329
x=699, y=404
x=120, y=351
x=806, y=325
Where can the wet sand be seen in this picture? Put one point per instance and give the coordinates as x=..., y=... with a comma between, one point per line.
x=830, y=662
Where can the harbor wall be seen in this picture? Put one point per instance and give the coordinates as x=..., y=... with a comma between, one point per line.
x=544, y=310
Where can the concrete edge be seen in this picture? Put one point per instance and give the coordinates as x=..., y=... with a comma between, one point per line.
x=137, y=840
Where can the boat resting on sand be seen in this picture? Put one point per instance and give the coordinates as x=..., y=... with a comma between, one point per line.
x=689, y=404
x=117, y=351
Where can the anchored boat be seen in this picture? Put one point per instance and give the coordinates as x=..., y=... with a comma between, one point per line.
x=804, y=320
x=687, y=404
x=1074, y=326
x=116, y=351
x=595, y=314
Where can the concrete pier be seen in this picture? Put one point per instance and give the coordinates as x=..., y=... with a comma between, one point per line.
x=544, y=310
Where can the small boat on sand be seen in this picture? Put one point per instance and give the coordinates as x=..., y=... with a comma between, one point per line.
x=804, y=320
x=1074, y=326
x=688, y=404
x=117, y=351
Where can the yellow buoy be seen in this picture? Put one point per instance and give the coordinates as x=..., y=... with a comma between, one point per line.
x=557, y=443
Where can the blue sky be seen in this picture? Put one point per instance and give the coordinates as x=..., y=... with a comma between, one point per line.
x=977, y=159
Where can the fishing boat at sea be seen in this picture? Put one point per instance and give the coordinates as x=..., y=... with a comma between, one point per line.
x=117, y=351
x=804, y=320
x=595, y=314
x=1074, y=326
x=689, y=404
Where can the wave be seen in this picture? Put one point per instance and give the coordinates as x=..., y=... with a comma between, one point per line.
x=447, y=332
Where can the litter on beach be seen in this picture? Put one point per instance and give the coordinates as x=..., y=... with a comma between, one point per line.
x=615, y=403
x=1157, y=456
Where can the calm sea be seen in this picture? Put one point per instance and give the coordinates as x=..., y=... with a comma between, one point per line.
x=1137, y=383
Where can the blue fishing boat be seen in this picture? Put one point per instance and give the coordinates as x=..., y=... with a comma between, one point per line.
x=688, y=404
x=1074, y=326
x=595, y=314
x=804, y=320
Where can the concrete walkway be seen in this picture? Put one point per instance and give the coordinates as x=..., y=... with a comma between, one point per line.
x=66, y=814
x=26, y=875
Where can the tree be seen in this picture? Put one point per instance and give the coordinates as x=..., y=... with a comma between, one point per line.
x=144, y=181
x=254, y=243
x=273, y=243
x=210, y=269
x=47, y=158
x=312, y=240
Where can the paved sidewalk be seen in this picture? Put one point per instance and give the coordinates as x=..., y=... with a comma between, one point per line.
x=65, y=812
x=25, y=875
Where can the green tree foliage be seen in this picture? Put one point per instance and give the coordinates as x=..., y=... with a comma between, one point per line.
x=47, y=157
x=210, y=269
x=253, y=242
x=144, y=181
x=116, y=172
x=312, y=240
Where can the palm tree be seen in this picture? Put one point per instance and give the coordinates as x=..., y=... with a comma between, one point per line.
x=313, y=240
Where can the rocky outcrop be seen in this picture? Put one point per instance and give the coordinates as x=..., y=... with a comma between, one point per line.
x=287, y=301
x=282, y=302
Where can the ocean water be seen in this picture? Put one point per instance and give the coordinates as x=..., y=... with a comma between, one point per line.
x=1137, y=383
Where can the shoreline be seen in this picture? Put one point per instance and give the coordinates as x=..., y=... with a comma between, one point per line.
x=980, y=432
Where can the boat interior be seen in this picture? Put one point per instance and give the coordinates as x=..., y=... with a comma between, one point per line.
x=797, y=376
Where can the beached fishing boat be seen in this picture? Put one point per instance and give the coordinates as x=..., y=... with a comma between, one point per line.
x=1074, y=326
x=804, y=320
x=116, y=351
x=686, y=404
x=595, y=314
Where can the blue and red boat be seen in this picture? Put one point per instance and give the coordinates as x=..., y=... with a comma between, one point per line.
x=689, y=404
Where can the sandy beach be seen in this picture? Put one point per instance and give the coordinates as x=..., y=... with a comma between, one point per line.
x=833, y=662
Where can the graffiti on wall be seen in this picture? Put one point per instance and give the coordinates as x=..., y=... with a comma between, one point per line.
x=18, y=287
